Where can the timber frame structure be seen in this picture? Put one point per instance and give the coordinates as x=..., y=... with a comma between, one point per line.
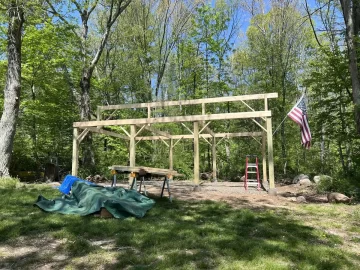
x=203, y=120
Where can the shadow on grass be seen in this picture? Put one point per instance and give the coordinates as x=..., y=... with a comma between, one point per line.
x=178, y=235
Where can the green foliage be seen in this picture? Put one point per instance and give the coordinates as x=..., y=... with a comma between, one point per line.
x=345, y=184
x=332, y=111
x=9, y=182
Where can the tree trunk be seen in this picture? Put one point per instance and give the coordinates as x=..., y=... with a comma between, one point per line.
x=12, y=87
x=283, y=115
x=85, y=115
x=350, y=17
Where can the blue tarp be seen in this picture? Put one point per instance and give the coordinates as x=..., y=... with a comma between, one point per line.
x=89, y=199
x=69, y=181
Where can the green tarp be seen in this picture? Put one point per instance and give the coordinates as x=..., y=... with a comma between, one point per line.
x=85, y=200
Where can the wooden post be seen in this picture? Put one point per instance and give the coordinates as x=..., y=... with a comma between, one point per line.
x=272, y=190
x=98, y=115
x=171, y=165
x=265, y=178
x=132, y=153
x=75, y=155
x=213, y=152
x=196, y=153
x=132, y=145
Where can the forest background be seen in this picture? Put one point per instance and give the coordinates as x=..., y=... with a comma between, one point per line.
x=174, y=50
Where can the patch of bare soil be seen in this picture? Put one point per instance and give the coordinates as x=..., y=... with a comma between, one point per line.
x=234, y=193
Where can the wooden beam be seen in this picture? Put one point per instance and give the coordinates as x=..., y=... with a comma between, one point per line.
x=202, y=123
x=171, y=119
x=75, y=154
x=157, y=171
x=187, y=128
x=247, y=105
x=171, y=164
x=196, y=154
x=189, y=102
x=191, y=136
x=213, y=153
x=138, y=142
x=125, y=131
x=220, y=140
x=270, y=153
x=164, y=142
x=132, y=145
x=256, y=122
x=156, y=131
x=107, y=132
x=263, y=150
x=256, y=140
x=98, y=114
x=177, y=141
x=141, y=128
x=82, y=135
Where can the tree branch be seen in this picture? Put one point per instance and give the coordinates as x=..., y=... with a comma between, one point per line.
x=312, y=25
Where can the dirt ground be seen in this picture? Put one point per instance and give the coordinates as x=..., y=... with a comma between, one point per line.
x=234, y=193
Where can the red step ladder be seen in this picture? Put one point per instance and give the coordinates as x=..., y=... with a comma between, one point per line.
x=253, y=169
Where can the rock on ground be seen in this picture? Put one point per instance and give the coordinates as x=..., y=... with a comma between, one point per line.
x=300, y=199
x=338, y=197
x=299, y=177
x=305, y=182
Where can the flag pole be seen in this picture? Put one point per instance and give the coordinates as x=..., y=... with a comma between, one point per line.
x=287, y=113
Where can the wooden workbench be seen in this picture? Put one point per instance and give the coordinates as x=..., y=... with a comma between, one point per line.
x=141, y=172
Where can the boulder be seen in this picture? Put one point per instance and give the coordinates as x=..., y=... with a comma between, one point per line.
x=299, y=177
x=318, y=178
x=338, y=198
x=305, y=182
x=205, y=175
x=287, y=181
x=300, y=199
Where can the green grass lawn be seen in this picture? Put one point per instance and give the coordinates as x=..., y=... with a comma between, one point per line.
x=178, y=235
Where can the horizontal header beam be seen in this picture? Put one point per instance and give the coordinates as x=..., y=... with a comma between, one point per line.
x=107, y=132
x=190, y=136
x=188, y=102
x=179, y=119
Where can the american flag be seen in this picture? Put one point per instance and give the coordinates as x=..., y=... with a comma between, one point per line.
x=298, y=115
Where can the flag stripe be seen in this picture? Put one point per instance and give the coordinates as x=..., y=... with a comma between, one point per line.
x=298, y=115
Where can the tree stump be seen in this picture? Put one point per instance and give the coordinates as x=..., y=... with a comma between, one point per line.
x=51, y=173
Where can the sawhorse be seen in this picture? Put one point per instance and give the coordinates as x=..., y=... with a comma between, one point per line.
x=133, y=185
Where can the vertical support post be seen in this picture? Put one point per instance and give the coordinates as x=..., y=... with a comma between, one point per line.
x=171, y=165
x=132, y=145
x=132, y=179
x=213, y=153
x=98, y=114
x=265, y=178
x=272, y=190
x=149, y=111
x=75, y=155
x=196, y=153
